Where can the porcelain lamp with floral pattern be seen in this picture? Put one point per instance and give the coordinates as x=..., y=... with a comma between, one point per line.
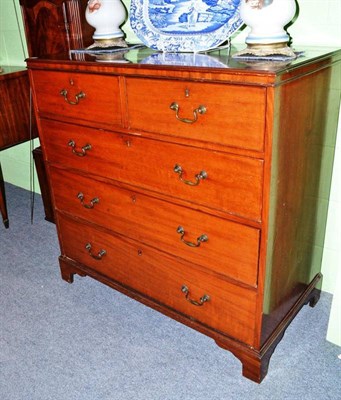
x=266, y=20
x=106, y=16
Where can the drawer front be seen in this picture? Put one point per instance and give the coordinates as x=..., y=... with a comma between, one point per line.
x=232, y=115
x=100, y=105
x=231, y=249
x=233, y=183
x=230, y=309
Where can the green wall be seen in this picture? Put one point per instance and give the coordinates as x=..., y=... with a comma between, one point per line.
x=318, y=24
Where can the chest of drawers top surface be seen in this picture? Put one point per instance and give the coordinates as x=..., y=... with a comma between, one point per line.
x=216, y=66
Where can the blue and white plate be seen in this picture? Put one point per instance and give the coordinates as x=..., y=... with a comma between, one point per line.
x=184, y=25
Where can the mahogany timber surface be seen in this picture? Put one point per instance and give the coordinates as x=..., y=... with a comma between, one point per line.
x=231, y=251
x=295, y=126
x=15, y=125
x=55, y=26
x=14, y=107
x=233, y=174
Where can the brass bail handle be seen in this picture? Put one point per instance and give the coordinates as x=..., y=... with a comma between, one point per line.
x=200, y=110
x=83, y=151
x=97, y=256
x=78, y=96
x=198, y=177
x=201, y=239
x=92, y=202
x=203, y=299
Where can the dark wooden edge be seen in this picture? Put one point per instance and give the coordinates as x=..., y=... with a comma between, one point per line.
x=254, y=362
x=3, y=204
x=43, y=183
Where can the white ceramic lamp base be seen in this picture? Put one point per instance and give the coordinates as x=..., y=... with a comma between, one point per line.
x=266, y=20
x=106, y=16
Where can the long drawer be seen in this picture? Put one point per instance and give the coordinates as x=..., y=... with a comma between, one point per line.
x=231, y=115
x=228, y=308
x=81, y=97
x=222, y=181
x=228, y=248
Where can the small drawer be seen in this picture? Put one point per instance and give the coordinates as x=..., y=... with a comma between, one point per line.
x=228, y=248
x=222, y=181
x=229, y=308
x=73, y=96
x=230, y=115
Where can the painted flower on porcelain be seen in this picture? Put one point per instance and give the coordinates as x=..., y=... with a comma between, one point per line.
x=94, y=5
x=258, y=3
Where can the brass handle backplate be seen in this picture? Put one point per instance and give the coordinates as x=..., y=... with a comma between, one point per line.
x=83, y=151
x=198, y=177
x=97, y=256
x=92, y=202
x=202, y=238
x=78, y=96
x=200, y=110
x=199, y=303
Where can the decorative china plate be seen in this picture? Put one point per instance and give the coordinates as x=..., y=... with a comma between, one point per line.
x=184, y=25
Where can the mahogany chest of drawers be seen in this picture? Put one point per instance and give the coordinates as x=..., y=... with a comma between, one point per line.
x=194, y=187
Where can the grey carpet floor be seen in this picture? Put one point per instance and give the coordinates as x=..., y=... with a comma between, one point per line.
x=86, y=341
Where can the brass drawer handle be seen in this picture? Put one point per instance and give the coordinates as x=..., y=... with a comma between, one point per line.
x=97, y=256
x=92, y=203
x=200, y=110
x=202, y=238
x=199, y=303
x=198, y=177
x=78, y=96
x=83, y=151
